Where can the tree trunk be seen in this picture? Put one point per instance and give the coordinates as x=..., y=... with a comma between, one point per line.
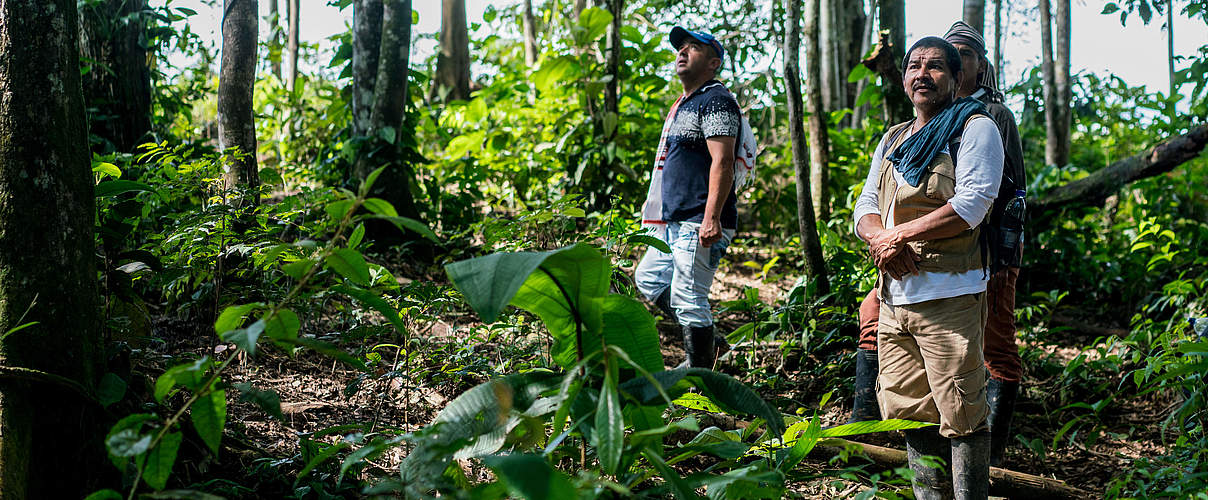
x=816, y=106
x=366, y=42
x=578, y=8
x=973, y=12
x=811, y=245
x=294, y=7
x=236, y=124
x=1050, y=86
x=998, y=38
x=827, y=39
x=274, y=19
x=1064, y=84
x=1003, y=482
x=613, y=47
x=530, y=36
x=892, y=46
x=387, y=116
x=117, y=87
x=50, y=442
x=1170, y=108
x=865, y=43
x=1095, y=188
x=453, y=61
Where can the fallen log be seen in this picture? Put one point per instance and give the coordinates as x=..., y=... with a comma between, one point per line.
x=1095, y=188
x=1003, y=482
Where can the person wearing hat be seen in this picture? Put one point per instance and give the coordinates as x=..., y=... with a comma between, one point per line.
x=691, y=202
x=922, y=212
x=1001, y=353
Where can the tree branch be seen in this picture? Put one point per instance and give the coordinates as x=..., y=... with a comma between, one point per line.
x=1094, y=189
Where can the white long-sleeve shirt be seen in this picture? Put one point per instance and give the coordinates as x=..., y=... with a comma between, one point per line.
x=978, y=175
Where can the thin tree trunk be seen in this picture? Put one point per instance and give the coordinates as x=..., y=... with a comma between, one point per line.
x=811, y=245
x=1052, y=142
x=530, y=36
x=816, y=106
x=453, y=61
x=274, y=18
x=50, y=442
x=366, y=42
x=998, y=38
x=893, y=48
x=294, y=7
x=236, y=124
x=613, y=47
x=826, y=38
x=578, y=8
x=973, y=12
x=865, y=43
x=117, y=87
x=1064, y=84
x=1170, y=108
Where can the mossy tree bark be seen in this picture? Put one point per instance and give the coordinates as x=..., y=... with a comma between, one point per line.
x=50, y=445
x=237, y=76
x=117, y=85
x=811, y=245
x=817, y=105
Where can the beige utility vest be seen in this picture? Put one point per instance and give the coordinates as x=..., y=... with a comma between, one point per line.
x=957, y=254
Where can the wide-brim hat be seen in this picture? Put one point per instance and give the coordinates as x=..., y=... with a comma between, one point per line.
x=678, y=35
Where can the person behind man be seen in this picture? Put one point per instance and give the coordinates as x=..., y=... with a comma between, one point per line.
x=921, y=214
x=691, y=202
x=1001, y=353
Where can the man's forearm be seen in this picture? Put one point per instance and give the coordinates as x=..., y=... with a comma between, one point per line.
x=941, y=223
x=721, y=176
x=868, y=226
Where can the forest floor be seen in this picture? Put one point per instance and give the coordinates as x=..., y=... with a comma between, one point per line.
x=318, y=393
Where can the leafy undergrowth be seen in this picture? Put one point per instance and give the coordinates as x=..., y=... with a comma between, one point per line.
x=324, y=402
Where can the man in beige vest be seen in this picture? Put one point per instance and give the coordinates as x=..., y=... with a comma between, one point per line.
x=928, y=190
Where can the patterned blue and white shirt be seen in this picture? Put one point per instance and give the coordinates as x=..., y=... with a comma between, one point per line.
x=709, y=112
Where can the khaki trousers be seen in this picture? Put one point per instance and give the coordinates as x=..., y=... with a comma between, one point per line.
x=931, y=364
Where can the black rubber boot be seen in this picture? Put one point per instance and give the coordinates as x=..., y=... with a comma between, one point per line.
x=971, y=466
x=698, y=342
x=1001, y=397
x=864, y=400
x=929, y=483
x=663, y=302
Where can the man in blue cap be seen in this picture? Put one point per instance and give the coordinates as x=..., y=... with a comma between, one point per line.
x=691, y=201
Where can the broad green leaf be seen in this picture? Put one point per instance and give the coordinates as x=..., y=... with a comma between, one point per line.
x=158, y=464
x=358, y=234
x=871, y=426
x=350, y=264
x=407, y=224
x=118, y=186
x=111, y=389
x=105, y=495
x=282, y=325
x=646, y=239
x=464, y=144
x=531, y=477
x=380, y=207
x=338, y=209
x=245, y=338
x=208, y=414
x=371, y=179
x=128, y=443
x=804, y=436
x=325, y=349
x=735, y=397
x=694, y=401
x=266, y=400
x=372, y=299
x=106, y=169
x=232, y=317
x=567, y=291
x=481, y=413
x=629, y=326
x=297, y=269
x=190, y=375
x=595, y=22
x=610, y=426
x=641, y=389
x=553, y=74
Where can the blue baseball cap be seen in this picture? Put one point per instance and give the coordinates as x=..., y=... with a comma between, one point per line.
x=678, y=35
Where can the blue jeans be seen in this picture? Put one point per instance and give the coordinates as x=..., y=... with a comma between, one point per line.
x=688, y=270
